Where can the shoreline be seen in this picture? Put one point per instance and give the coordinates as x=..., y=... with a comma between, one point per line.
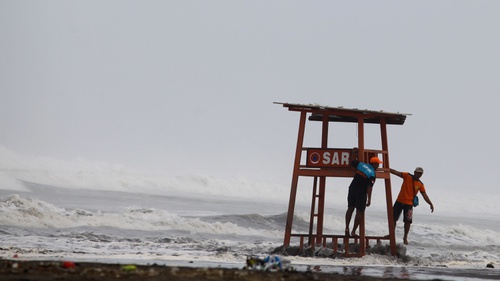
x=44, y=270
x=51, y=270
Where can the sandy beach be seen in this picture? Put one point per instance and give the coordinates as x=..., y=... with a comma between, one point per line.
x=61, y=270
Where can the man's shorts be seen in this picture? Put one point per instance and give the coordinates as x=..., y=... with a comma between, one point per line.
x=406, y=209
x=357, y=199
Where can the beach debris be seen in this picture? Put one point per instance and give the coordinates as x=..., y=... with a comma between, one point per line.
x=269, y=263
x=129, y=267
x=68, y=264
x=311, y=268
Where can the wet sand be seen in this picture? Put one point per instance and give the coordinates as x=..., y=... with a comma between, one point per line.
x=60, y=270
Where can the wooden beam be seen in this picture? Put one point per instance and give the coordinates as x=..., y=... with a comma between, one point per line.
x=388, y=189
x=295, y=179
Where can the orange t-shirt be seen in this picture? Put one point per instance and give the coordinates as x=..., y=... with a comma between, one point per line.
x=407, y=193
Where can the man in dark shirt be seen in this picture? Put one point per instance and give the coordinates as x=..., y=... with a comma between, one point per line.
x=360, y=190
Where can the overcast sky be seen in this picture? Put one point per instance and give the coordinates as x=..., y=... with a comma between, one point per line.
x=188, y=86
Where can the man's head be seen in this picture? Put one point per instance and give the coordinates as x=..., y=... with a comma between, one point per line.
x=418, y=172
x=375, y=162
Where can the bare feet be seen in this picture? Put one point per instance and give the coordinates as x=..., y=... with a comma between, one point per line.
x=405, y=241
x=352, y=234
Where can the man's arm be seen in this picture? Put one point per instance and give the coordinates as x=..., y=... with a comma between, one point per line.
x=426, y=198
x=369, y=193
x=397, y=173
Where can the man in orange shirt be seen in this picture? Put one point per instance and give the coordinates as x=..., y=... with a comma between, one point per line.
x=404, y=203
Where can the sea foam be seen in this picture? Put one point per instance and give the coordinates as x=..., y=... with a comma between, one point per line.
x=27, y=212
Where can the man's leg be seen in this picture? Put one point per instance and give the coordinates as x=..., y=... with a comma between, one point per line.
x=357, y=221
x=397, y=209
x=408, y=214
x=348, y=217
x=407, y=230
x=396, y=212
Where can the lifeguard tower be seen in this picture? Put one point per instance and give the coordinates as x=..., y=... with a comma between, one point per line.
x=324, y=162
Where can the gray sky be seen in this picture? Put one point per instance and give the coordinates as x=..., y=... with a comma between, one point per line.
x=188, y=86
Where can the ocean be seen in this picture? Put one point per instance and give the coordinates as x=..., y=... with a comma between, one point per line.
x=85, y=211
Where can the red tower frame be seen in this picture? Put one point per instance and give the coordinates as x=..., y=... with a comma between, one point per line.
x=336, y=167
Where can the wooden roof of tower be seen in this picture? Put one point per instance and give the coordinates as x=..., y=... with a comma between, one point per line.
x=341, y=114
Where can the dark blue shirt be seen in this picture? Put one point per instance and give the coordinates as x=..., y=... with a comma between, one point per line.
x=364, y=177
